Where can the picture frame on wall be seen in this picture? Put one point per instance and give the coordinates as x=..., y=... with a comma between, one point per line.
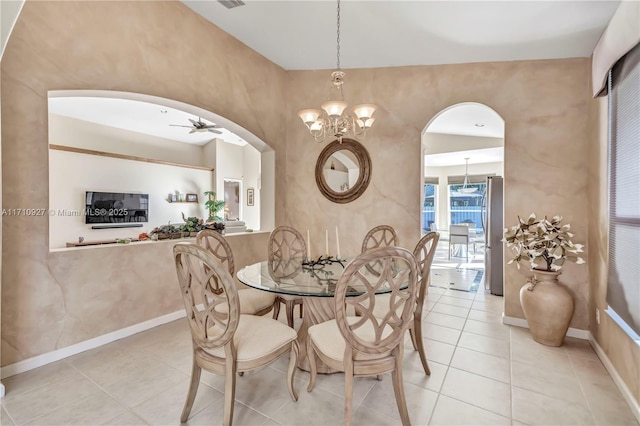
x=192, y=198
x=173, y=198
x=250, y=197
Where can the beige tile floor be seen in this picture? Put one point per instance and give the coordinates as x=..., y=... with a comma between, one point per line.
x=483, y=373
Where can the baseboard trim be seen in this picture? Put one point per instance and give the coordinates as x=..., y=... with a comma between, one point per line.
x=521, y=322
x=49, y=357
x=622, y=386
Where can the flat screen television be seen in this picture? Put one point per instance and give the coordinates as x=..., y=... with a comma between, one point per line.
x=116, y=207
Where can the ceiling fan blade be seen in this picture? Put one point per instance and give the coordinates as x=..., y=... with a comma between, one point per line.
x=195, y=123
x=215, y=131
x=180, y=125
x=193, y=131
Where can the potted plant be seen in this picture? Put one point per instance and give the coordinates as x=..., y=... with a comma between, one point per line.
x=191, y=226
x=213, y=206
x=546, y=245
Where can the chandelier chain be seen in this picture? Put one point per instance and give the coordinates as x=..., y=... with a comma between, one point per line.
x=338, y=38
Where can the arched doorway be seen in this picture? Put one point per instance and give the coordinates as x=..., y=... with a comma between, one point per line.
x=463, y=153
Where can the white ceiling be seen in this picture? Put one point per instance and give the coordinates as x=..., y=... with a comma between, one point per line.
x=137, y=116
x=470, y=119
x=301, y=35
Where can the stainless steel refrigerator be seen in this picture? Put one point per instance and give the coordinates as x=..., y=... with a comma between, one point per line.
x=493, y=227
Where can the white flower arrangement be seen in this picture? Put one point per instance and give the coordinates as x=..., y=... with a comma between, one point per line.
x=544, y=243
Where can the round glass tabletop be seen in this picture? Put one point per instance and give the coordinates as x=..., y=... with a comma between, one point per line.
x=292, y=277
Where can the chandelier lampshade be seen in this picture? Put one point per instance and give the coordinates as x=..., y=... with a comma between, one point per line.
x=334, y=108
x=467, y=189
x=334, y=120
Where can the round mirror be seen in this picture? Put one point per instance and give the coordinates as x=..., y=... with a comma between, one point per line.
x=343, y=170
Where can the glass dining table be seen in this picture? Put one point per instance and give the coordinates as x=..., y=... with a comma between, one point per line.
x=315, y=283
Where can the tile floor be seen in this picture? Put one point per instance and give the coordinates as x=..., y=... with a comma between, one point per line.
x=483, y=373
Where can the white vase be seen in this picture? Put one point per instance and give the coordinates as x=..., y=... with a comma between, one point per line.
x=548, y=307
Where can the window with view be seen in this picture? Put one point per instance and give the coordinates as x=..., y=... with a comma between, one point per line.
x=623, y=285
x=466, y=207
x=429, y=206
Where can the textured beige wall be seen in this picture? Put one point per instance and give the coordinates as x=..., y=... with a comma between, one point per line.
x=544, y=105
x=52, y=300
x=163, y=49
x=621, y=350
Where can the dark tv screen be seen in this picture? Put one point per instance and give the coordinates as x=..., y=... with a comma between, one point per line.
x=116, y=207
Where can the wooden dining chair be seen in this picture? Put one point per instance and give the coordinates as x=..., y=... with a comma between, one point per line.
x=423, y=252
x=459, y=235
x=364, y=344
x=379, y=236
x=286, y=243
x=252, y=301
x=230, y=343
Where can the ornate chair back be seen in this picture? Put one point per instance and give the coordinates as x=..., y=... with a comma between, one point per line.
x=380, y=236
x=286, y=249
x=286, y=242
x=201, y=277
x=218, y=246
x=369, y=334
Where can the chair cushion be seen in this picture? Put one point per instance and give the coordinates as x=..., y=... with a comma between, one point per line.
x=257, y=337
x=327, y=338
x=251, y=301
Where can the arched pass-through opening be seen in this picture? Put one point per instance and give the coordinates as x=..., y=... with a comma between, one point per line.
x=461, y=185
x=190, y=151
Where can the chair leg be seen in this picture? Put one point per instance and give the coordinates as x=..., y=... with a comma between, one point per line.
x=348, y=391
x=193, y=389
x=276, y=308
x=229, y=391
x=313, y=369
x=417, y=333
x=412, y=334
x=398, y=389
x=293, y=361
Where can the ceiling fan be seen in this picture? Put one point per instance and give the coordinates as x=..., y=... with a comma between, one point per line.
x=200, y=126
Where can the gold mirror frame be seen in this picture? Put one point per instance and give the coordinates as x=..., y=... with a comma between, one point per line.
x=364, y=176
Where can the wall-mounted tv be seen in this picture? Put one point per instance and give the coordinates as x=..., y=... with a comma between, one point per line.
x=116, y=207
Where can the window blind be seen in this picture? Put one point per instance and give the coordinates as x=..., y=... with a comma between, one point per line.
x=623, y=287
x=428, y=180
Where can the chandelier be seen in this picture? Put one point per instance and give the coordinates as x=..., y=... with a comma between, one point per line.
x=467, y=189
x=334, y=121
